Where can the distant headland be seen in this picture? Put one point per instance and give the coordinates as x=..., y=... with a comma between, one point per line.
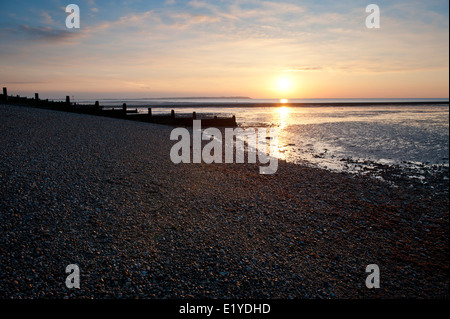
x=194, y=98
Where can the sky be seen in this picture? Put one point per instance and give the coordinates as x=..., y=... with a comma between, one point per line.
x=257, y=49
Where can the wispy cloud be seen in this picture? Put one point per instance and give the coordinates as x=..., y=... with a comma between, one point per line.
x=47, y=34
x=303, y=68
x=47, y=19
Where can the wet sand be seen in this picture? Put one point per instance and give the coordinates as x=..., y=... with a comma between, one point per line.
x=103, y=193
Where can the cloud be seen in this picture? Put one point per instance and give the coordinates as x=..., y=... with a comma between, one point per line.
x=304, y=68
x=187, y=20
x=47, y=19
x=47, y=34
x=26, y=82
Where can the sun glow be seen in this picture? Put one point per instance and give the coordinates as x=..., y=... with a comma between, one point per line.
x=283, y=101
x=281, y=115
x=284, y=84
x=284, y=111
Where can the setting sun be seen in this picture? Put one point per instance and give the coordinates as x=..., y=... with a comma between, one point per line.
x=283, y=101
x=284, y=84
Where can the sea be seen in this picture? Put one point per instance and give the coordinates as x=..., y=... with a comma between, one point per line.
x=333, y=133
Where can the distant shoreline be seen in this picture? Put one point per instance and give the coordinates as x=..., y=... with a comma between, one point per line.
x=324, y=104
x=185, y=98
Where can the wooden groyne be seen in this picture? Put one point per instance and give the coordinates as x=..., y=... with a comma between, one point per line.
x=122, y=112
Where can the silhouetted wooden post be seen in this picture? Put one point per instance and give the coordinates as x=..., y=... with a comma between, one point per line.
x=36, y=99
x=5, y=94
x=172, y=114
x=97, y=106
x=194, y=115
x=149, y=112
x=124, y=108
x=68, y=100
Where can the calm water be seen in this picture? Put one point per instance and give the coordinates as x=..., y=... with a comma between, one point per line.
x=323, y=136
x=185, y=102
x=326, y=136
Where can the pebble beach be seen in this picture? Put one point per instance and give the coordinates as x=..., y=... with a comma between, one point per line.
x=103, y=193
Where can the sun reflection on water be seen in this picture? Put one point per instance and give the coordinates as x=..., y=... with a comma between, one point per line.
x=281, y=116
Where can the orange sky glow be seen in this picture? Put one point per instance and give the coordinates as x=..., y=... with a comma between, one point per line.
x=259, y=49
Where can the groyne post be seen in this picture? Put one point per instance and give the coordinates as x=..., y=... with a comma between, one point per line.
x=172, y=114
x=5, y=94
x=194, y=115
x=149, y=112
x=124, y=108
x=68, y=100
